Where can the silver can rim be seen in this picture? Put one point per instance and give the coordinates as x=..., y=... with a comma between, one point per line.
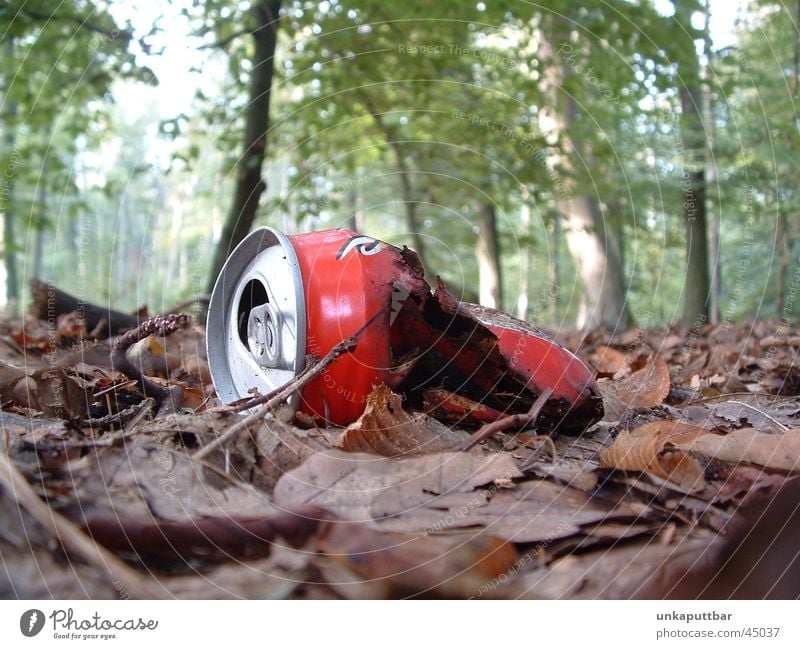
x=218, y=320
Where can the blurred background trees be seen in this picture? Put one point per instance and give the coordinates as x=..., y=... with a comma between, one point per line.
x=604, y=164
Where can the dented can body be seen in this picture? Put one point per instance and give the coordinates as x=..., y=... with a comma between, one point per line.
x=281, y=298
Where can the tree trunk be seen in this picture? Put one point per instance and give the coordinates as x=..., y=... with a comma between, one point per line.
x=249, y=183
x=41, y=215
x=711, y=183
x=783, y=235
x=596, y=258
x=693, y=182
x=603, y=302
x=554, y=290
x=487, y=252
x=352, y=207
x=698, y=285
x=523, y=300
x=716, y=277
x=410, y=205
x=7, y=207
x=406, y=188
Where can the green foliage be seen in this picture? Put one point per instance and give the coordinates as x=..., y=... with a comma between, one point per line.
x=444, y=103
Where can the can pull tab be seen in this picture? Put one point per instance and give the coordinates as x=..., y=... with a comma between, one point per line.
x=263, y=335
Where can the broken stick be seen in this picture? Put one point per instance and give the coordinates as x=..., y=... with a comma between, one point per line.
x=512, y=421
x=167, y=398
x=276, y=398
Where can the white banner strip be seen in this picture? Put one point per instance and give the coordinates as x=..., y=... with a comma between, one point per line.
x=405, y=625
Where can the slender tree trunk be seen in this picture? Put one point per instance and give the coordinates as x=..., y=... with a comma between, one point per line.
x=597, y=261
x=38, y=253
x=410, y=202
x=783, y=234
x=693, y=182
x=603, y=302
x=38, y=218
x=784, y=260
x=249, y=183
x=409, y=198
x=711, y=180
x=7, y=205
x=716, y=277
x=697, y=285
x=352, y=208
x=487, y=252
x=554, y=290
x=523, y=299
x=41, y=213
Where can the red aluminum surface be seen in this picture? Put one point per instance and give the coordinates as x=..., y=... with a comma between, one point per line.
x=347, y=282
x=544, y=363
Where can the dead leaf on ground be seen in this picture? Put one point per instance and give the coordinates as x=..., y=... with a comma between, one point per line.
x=751, y=446
x=437, y=493
x=733, y=482
x=642, y=382
x=276, y=577
x=639, y=570
x=387, y=429
x=646, y=449
x=361, y=563
x=146, y=480
x=610, y=362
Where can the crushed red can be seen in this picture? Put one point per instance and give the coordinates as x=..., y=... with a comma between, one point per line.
x=281, y=298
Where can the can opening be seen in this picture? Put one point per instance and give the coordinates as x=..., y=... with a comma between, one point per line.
x=254, y=294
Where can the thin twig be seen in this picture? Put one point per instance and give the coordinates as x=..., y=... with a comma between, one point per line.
x=512, y=421
x=270, y=401
x=760, y=412
x=119, y=417
x=70, y=536
x=549, y=444
x=160, y=325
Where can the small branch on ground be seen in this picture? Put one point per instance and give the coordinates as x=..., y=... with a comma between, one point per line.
x=548, y=444
x=276, y=398
x=167, y=398
x=132, y=415
x=158, y=325
x=508, y=423
x=70, y=536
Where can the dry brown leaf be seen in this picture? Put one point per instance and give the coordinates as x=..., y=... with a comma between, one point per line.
x=647, y=569
x=437, y=493
x=364, y=564
x=642, y=382
x=751, y=446
x=645, y=449
x=609, y=360
x=146, y=481
x=386, y=429
x=648, y=384
x=9, y=377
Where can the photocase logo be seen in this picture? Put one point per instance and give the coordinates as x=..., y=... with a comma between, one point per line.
x=31, y=622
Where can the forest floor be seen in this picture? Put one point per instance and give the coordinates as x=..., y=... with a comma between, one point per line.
x=685, y=489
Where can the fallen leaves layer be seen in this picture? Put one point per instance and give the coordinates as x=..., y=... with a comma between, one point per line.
x=387, y=429
x=748, y=445
x=653, y=447
x=403, y=514
x=442, y=492
x=639, y=379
